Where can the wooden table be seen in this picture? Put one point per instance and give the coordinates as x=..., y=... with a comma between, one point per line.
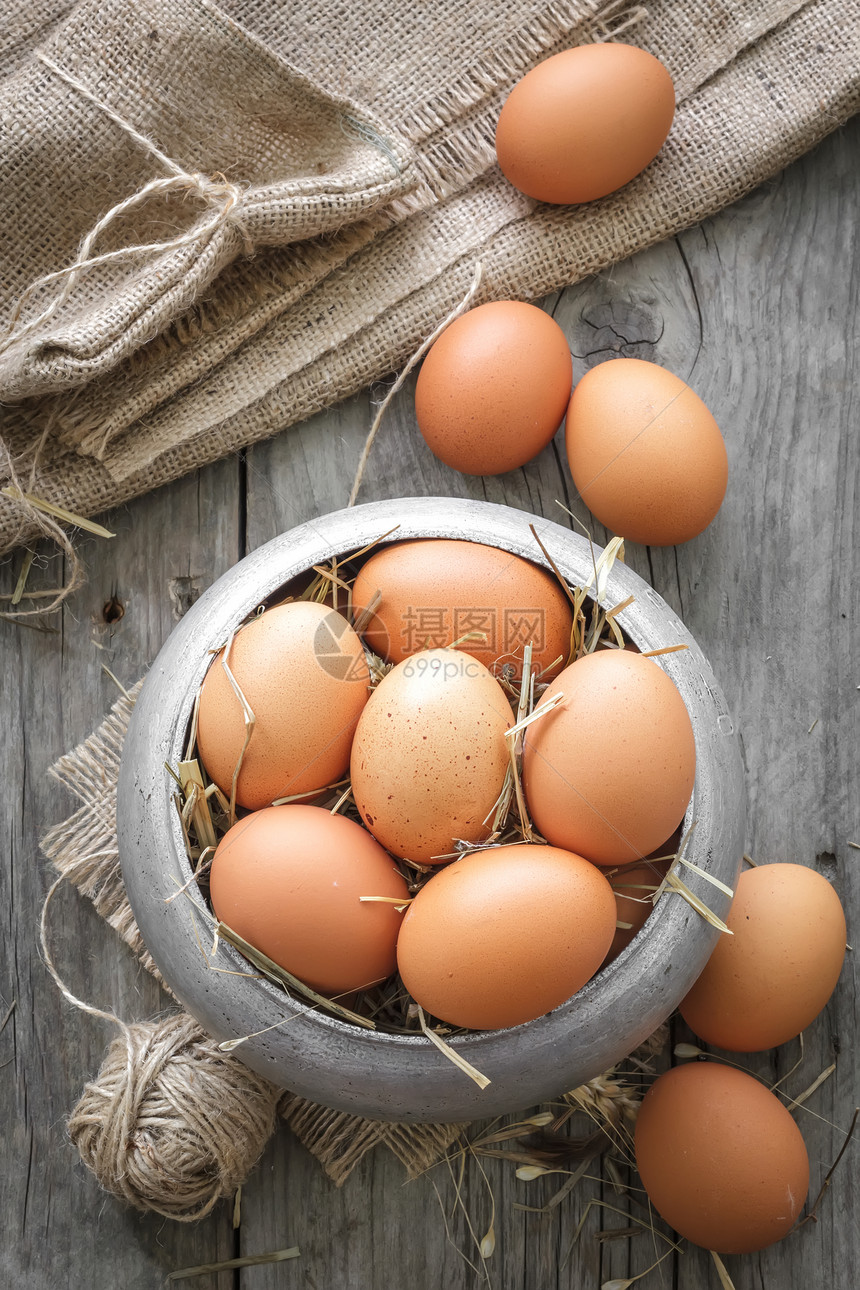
x=758, y=309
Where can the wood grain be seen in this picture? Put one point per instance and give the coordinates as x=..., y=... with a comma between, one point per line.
x=758, y=309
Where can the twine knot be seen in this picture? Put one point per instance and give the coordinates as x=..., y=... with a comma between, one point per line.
x=170, y=1123
x=216, y=192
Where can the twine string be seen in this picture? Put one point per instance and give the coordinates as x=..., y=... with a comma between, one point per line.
x=618, y=17
x=81, y=863
x=170, y=1124
x=225, y=200
x=218, y=193
x=416, y=358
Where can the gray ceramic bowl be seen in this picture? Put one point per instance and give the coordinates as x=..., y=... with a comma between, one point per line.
x=404, y=1077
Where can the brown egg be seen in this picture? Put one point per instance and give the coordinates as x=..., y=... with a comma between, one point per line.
x=771, y=978
x=429, y=756
x=494, y=388
x=302, y=669
x=585, y=122
x=646, y=455
x=633, y=889
x=609, y=772
x=436, y=590
x=505, y=935
x=289, y=879
x=720, y=1157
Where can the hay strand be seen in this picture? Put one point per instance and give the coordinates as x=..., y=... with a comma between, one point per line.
x=411, y=363
x=722, y=1272
x=453, y=1056
x=249, y=720
x=56, y=512
x=196, y=802
x=811, y=1217
x=248, y=1261
x=282, y=977
x=26, y=565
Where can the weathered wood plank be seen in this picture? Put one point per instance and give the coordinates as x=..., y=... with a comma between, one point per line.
x=58, y=1228
x=776, y=598
x=720, y=306
x=758, y=310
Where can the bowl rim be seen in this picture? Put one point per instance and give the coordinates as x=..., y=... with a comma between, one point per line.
x=157, y=735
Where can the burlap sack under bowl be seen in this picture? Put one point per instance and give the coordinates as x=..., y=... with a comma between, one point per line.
x=396, y=1077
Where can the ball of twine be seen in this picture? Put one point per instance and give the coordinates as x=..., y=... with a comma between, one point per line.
x=171, y=1124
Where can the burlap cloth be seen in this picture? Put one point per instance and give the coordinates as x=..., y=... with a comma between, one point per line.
x=308, y=186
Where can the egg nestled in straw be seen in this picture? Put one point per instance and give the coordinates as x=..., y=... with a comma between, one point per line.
x=429, y=756
x=505, y=935
x=302, y=672
x=634, y=888
x=608, y=772
x=436, y=591
x=290, y=881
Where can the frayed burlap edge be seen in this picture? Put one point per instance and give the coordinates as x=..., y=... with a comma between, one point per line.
x=84, y=849
x=534, y=255
x=340, y=1140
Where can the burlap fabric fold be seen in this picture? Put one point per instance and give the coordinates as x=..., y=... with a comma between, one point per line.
x=297, y=265
x=209, y=144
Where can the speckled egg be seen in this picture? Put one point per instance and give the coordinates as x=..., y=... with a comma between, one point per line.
x=584, y=122
x=768, y=980
x=505, y=935
x=434, y=591
x=720, y=1157
x=289, y=880
x=646, y=456
x=302, y=669
x=429, y=755
x=494, y=388
x=608, y=773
